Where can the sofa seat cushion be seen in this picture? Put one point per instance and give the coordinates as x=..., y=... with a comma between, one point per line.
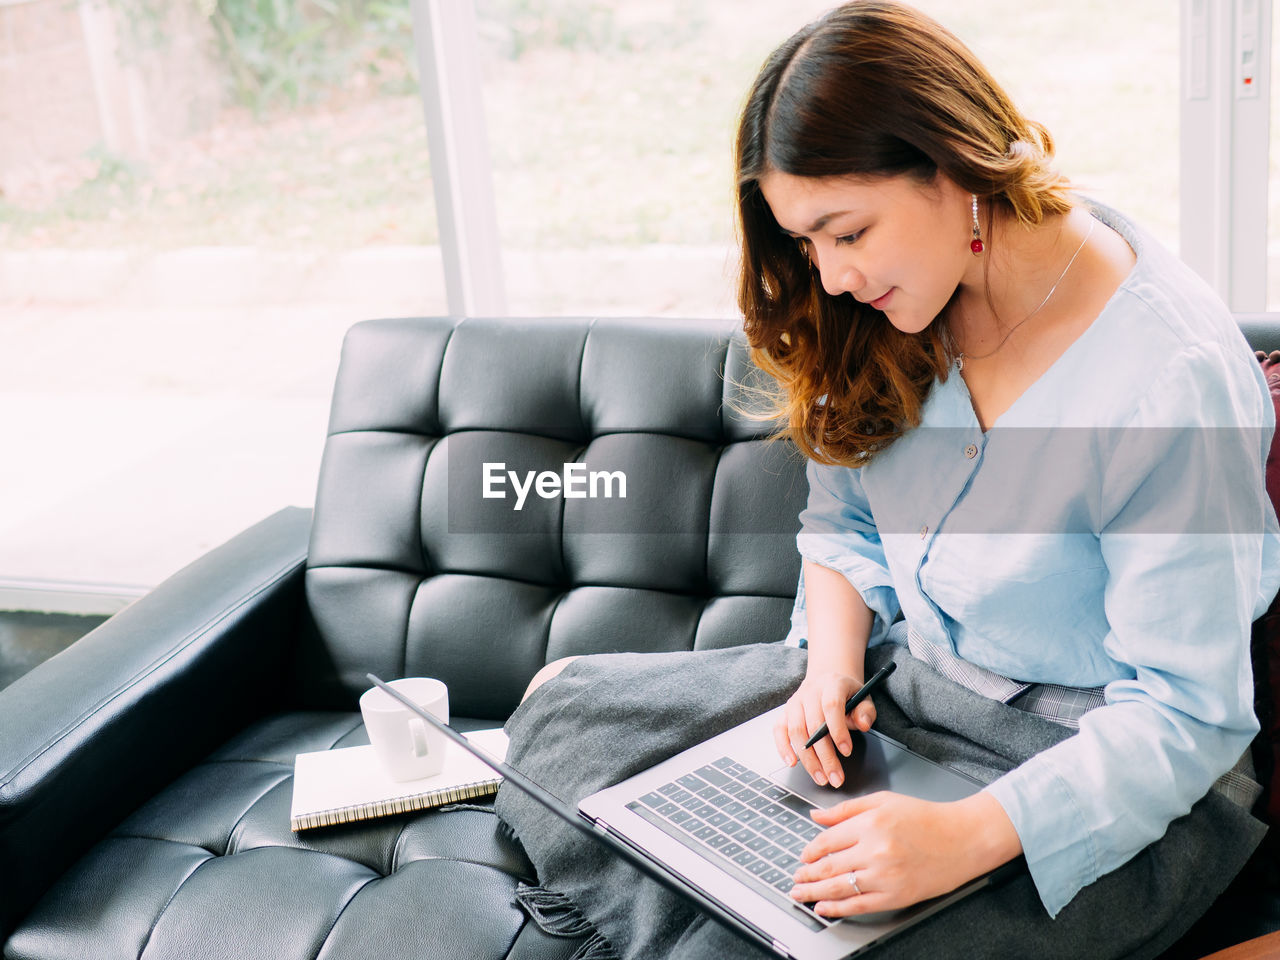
x=210, y=868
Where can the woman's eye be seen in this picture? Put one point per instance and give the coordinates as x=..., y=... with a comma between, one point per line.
x=850, y=237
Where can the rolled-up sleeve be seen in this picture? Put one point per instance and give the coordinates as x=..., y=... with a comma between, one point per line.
x=1190, y=546
x=838, y=531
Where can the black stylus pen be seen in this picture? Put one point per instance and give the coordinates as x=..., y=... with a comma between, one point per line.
x=863, y=692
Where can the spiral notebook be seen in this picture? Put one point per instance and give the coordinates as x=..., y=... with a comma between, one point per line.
x=331, y=787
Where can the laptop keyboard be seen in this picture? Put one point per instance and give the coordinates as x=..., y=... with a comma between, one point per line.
x=727, y=813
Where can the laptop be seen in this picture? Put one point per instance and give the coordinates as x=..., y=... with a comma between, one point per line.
x=722, y=823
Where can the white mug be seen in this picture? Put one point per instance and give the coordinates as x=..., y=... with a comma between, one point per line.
x=408, y=747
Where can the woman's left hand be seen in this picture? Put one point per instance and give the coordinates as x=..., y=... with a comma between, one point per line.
x=902, y=850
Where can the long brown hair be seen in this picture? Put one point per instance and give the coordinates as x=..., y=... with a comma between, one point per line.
x=872, y=89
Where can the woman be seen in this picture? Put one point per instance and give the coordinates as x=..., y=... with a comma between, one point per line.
x=1005, y=394
x=912, y=261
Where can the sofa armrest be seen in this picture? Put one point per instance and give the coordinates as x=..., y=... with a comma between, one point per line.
x=1260, y=948
x=91, y=733
x=1260, y=329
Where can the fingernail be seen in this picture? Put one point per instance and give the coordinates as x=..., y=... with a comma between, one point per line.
x=819, y=779
x=836, y=779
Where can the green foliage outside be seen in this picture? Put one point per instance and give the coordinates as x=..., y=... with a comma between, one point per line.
x=609, y=123
x=282, y=53
x=515, y=28
x=100, y=197
x=279, y=54
x=324, y=143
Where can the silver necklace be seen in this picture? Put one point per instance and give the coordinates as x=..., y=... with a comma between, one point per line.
x=968, y=356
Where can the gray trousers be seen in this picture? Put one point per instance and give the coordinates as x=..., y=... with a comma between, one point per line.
x=609, y=716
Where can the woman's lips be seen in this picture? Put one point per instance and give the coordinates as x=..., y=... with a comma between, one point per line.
x=883, y=301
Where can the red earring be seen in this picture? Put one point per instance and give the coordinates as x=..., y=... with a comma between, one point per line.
x=976, y=246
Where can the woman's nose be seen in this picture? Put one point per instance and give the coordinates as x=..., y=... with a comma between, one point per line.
x=839, y=276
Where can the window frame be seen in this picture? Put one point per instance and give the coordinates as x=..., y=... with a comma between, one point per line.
x=1224, y=149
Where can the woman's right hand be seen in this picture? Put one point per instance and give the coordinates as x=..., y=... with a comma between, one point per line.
x=821, y=699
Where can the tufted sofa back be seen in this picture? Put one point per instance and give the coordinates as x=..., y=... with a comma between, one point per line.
x=413, y=570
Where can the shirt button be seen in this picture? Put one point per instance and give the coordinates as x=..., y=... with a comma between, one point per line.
x=971, y=451
x=923, y=531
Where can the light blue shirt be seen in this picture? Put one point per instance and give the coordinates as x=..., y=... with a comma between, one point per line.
x=1110, y=530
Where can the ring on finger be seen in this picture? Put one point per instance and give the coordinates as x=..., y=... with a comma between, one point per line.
x=853, y=882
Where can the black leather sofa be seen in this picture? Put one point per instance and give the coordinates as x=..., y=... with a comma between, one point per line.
x=145, y=772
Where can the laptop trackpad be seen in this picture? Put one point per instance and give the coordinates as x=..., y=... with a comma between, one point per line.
x=878, y=763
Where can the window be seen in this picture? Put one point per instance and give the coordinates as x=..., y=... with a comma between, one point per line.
x=611, y=129
x=1273, y=198
x=1105, y=84
x=196, y=201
